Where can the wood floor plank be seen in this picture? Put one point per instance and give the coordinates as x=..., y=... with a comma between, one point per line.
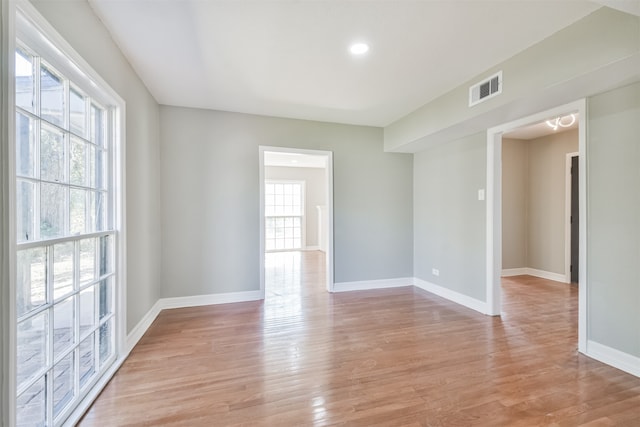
x=389, y=357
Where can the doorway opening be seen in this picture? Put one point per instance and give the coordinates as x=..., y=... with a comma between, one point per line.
x=296, y=222
x=554, y=255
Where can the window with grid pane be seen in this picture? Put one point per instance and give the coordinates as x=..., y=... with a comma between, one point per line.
x=65, y=239
x=284, y=214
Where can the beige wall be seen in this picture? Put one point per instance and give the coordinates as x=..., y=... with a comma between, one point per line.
x=315, y=193
x=514, y=203
x=533, y=198
x=546, y=200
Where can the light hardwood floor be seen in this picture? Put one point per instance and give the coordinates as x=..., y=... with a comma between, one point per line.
x=393, y=357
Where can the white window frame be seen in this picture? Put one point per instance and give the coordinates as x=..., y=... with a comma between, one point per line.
x=26, y=23
x=303, y=216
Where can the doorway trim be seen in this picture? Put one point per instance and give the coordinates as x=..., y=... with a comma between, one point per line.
x=494, y=211
x=567, y=215
x=329, y=182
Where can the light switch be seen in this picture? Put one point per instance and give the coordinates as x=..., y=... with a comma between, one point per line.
x=481, y=194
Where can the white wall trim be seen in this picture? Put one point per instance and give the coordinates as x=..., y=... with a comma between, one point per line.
x=211, y=299
x=95, y=391
x=616, y=358
x=453, y=296
x=139, y=330
x=372, y=284
x=509, y=272
x=329, y=204
x=183, y=302
x=494, y=209
x=557, y=277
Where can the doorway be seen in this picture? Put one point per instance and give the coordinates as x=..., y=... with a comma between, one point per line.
x=296, y=215
x=494, y=210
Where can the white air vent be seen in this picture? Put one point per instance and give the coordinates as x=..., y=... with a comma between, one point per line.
x=486, y=89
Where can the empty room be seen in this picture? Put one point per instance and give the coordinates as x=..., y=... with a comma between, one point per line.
x=319, y=213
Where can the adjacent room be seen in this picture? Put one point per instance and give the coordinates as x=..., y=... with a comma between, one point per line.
x=286, y=213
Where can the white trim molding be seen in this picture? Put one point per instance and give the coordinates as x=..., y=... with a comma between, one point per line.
x=329, y=203
x=372, y=284
x=509, y=272
x=183, y=302
x=494, y=209
x=139, y=330
x=453, y=296
x=616, y=358
x=211, y=299
x=557, y=277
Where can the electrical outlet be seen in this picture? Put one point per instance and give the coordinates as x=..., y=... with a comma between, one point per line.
x=435, y=271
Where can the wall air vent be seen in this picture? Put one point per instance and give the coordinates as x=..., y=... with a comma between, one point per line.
x=486, y=89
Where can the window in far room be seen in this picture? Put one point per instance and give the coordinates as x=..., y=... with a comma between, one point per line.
x=284, y=215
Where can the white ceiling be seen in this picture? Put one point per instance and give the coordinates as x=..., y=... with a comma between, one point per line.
x=290, y=58
x=294, y=160
x=538, y=130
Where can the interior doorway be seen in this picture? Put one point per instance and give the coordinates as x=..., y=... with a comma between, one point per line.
x=536, y=198
x=296, y=218
x=494, y=208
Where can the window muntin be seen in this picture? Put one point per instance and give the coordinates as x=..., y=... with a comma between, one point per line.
x=284, y=215
x=65, y=269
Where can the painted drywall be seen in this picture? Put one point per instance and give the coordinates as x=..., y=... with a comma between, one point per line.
x=514, y=203
x=597, y=53
x=210, y=199
x=547, y=158
x=449, y=220
x=613, y=213
x=315, y=193
x=77, y=23
x=533, y=201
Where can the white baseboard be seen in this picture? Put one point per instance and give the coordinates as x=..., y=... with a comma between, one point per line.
x=138, y=331
x=616, y=358
x=453, y=296
x=211, y=299
x=182, y=302
x=534, y=272
x=372, y=284
x=508, y=272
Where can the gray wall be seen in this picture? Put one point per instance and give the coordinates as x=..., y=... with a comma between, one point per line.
x=514, y=203
x=449, y=220
x=210, y=194
x=533, y=196
x=77, y=23
x=315, y=193
x=613, y=209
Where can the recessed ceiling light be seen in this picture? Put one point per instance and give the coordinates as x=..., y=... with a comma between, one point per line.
x=359, y=48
